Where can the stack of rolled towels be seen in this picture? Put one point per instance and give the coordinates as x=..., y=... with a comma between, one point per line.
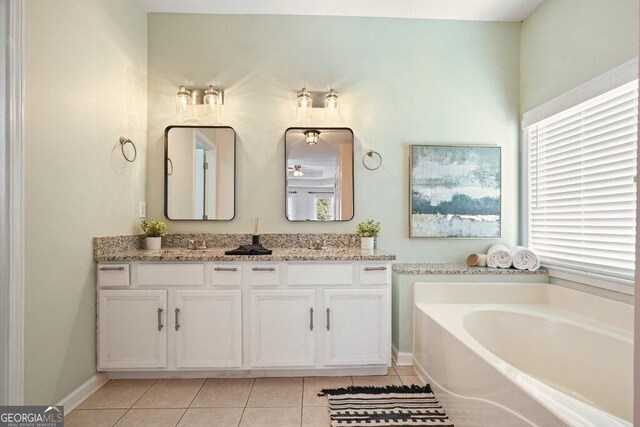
x=501, y=256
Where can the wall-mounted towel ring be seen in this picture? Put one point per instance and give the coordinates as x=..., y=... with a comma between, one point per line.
x=372, y=160
x=124, y=141
x=169, y=163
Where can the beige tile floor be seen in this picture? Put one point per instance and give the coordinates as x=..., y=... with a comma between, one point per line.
x=244, y=402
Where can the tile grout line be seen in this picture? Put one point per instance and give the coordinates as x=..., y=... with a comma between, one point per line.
x=204, y=381
x=102, y=409
x=121, y=416
x=247, y=401
x=190, y=403
x=137, y=400
x=302, y=402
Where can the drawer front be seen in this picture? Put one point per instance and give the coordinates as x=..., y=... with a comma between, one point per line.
x=169, y=274
x=226, y=274
x=304, y=274
x=374, y=274
x=264, y=275
x=113, y=275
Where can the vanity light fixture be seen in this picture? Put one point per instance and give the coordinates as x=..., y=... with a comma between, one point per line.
x=331, y=100
x=297, y=170
x=183, y=100
x=197, y=100
x=313, y=104
x=304, y=99
x=311, y=136
x=211, y=99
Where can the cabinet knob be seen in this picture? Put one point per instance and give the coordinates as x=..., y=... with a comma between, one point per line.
x=311, y=319
x=225, y=269
x=177, y=321
x=328, y=319
x=375, y=268
x=120, y=268
x=263, y=269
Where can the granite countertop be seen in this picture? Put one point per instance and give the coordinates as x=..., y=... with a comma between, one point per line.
x=217, y=254
x=441, y=268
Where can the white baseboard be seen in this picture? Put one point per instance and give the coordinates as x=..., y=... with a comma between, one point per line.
x=401, y=358
x=252, y=373
x=79, y=395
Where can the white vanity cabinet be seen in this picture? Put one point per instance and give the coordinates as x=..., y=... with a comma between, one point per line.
x=132, y=330
x=355, y=326
x=282, y=323
x=245, y=318
x=208, y=331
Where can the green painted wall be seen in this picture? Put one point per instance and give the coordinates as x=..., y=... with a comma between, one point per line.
x=566, y=43
x=401, y=82
x=85, y=87
x=593, y=290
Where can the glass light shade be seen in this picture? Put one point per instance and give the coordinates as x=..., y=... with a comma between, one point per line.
x=331, y=99
x=311, y=137
x=183, y=100
x=304, y=99
x=211, y=100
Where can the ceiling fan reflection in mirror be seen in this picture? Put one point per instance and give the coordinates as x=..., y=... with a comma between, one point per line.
x=299, y=170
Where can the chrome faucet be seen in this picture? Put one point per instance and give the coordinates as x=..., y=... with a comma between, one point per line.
x=192, y=245
x=317, y=245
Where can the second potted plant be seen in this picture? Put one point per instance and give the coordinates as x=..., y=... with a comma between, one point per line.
x=368, y=230
x=155, y=231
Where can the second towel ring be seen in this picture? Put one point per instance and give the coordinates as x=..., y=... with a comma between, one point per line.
x=124, y=141
x=372, y=154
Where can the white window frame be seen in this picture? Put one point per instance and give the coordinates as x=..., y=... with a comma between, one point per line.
x=625, y=73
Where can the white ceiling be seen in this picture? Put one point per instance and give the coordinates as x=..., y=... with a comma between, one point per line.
x=468, y=10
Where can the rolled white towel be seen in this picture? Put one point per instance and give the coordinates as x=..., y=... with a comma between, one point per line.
x=477, y=260
x=524, y=258
x=499, y=256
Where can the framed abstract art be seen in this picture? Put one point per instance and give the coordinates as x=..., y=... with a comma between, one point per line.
x=455, y=191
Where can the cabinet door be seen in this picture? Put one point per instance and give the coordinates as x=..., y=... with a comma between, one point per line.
x=131, y=329
x=208, y=329
x=282, y=328
x=356, y=327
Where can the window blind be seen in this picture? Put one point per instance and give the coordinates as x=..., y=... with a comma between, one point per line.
x=582, y=195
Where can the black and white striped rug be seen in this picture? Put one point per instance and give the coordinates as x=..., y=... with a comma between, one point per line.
x=385, y=406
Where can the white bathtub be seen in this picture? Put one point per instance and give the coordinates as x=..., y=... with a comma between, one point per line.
x=525, y=354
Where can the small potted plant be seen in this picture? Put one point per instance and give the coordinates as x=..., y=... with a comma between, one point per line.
x=368, y=230
x=155, y=231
